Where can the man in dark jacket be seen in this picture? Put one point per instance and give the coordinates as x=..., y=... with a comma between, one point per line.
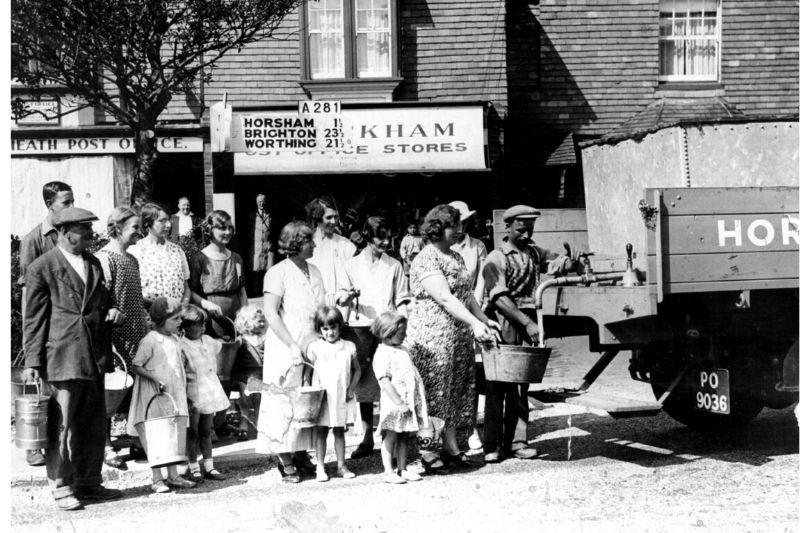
x=183, y=223
x=57, y=195
x=67, y=343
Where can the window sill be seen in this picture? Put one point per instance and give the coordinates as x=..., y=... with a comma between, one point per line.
x=689, y=89
x=360, y=90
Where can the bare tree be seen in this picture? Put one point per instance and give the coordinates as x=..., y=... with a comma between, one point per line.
x=130, y=57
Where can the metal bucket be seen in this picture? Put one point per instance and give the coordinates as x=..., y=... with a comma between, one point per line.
x=428, y=435
x=117, y=385
x=306, y=403
x=514, y=364
x=164, y=437
x=30, y=414
x=19, y=387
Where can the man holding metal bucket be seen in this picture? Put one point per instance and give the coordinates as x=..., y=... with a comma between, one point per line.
x=67, y=343
x=511, y=274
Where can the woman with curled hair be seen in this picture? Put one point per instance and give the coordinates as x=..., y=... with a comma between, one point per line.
x=162, y=264
x=217, y=274
x=121, y=270
x=293, y=290
x=441, y=328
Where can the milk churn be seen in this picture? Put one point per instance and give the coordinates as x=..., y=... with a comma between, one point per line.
x=30, y=414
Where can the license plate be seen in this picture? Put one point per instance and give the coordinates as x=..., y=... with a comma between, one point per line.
x=712, y=391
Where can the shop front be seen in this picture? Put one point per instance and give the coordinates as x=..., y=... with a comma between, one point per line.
x=98, y=163
x=397, y=160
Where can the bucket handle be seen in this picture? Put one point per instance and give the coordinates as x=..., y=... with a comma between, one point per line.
x=124, y=364
x=147, y=409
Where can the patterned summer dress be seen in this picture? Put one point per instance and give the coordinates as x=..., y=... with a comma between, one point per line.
x=395, y=364
x=122, y=277
x=440, y=346
x=162, y=267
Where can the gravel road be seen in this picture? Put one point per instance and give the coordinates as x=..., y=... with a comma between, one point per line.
x=593, y=474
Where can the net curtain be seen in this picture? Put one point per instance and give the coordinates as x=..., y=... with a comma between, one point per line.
x=98, y=182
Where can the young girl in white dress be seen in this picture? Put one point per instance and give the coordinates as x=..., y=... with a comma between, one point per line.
x=336, y=369
x=203, y=389
x=159, y=367
x=403, y=406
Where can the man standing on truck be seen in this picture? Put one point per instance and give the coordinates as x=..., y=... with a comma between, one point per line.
x=511, y=274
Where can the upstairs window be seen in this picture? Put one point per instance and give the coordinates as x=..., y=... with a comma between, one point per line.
x=689, y=37
x=350, y=39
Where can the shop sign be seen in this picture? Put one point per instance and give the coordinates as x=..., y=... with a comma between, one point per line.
x=100, y=145
x=40, y=112
x=422, y=139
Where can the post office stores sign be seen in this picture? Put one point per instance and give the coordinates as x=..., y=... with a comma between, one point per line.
x=359, y=140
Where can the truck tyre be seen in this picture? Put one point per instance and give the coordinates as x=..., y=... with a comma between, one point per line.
x=746, y=395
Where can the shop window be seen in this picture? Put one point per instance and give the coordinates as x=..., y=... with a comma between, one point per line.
x=689, y=40
x=350, y=39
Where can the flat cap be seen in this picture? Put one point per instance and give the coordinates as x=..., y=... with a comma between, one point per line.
x=521, y=212
x=73, y=215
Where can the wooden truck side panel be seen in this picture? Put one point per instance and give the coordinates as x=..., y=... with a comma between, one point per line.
x=723, y=239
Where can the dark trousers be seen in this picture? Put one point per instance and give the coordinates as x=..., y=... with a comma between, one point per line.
x=76, y=435
x=503, y=407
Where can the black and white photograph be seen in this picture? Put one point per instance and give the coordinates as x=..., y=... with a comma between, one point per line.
x=391, y=266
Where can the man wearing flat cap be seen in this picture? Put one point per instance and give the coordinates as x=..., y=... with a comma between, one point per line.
x=68, y=345
x=511, y=274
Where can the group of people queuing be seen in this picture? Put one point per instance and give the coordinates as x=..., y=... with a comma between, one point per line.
x=366, y=327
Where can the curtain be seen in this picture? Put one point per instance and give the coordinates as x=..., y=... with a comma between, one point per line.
x=91, y=178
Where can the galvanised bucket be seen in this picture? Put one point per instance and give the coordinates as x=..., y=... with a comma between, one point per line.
x=30, y=415
x=164, y=437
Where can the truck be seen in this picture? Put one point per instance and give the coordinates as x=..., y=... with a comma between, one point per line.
x=695, y=232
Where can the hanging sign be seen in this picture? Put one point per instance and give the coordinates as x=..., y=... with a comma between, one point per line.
x=421, y=139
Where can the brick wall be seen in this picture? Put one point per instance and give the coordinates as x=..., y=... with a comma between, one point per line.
x=760, y=55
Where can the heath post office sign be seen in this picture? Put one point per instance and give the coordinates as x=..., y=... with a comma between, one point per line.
x=100, y=145
x=358, y=140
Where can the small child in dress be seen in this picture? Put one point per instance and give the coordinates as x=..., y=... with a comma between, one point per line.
x=203, y=389
x=403, y=405
x=251, y=327
x=410, y=246
x=336, y=369
x=158, y=365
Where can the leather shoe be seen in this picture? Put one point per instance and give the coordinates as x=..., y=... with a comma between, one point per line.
x=98, y=492
x=492, y=457
x=289, y=474
x=215, y=475
x=35, y=458
x=114, y=461
x=363, y=450
x=69, y=503
x=525, y=453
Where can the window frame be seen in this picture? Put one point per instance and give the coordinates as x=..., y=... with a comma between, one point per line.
x=717, y=39
x=350, y=46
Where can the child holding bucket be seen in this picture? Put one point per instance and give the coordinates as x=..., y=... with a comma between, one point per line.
x=203, y=389
x=336, y=369
x=158, y=365
x=403, y=404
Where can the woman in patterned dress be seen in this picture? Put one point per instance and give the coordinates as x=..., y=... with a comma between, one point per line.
x=121, y=271
x=441, y=326
x=162, y=264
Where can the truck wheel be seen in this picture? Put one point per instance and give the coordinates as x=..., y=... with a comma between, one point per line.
x=746, y=397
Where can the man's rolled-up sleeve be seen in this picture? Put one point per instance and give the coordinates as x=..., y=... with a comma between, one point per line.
x=494, y=275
